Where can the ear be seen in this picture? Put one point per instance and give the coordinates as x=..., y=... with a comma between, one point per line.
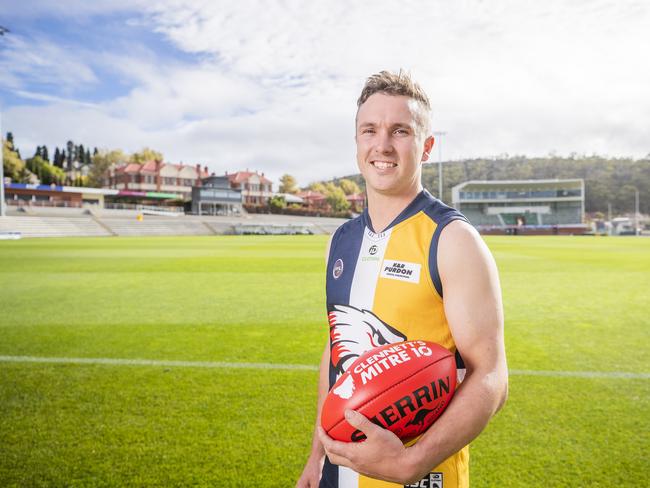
x=428, y=145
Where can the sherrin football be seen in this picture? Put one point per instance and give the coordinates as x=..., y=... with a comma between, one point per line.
x=402, y=387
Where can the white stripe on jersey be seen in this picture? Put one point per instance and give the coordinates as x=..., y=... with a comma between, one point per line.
x=366, y=272
x=362, y=296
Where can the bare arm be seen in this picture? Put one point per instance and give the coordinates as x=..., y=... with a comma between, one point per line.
x=472, y=301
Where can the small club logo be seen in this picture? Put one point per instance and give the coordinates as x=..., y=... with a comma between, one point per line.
x=337, y=271
x=372, y=250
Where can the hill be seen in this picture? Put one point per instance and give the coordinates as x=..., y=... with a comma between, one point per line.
x=607, y=180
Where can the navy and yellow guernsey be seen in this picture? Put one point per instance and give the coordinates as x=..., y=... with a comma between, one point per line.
x=384, y=288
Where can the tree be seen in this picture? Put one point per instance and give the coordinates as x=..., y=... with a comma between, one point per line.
x=47, y=173
x=336, y=198
x=13, y=166
x=81, y=153
x=45, y=154
x=70, y=158
x=288, y=184
x=277, y=203
x=318, y=188
x=57, y=158
x=145, y=155
x=101, y=162
x=80, y=181
x=87, y=158
x=10, y=140
x=349, y=187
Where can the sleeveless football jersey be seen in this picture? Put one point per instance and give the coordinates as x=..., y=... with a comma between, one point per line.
x=384, y=288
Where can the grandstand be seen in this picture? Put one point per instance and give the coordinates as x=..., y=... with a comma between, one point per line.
x=85, y=222
x=522, y=206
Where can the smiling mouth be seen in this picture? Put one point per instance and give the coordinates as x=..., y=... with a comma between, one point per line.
x=383, y=164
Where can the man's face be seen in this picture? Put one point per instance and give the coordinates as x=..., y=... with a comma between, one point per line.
x=390, y=144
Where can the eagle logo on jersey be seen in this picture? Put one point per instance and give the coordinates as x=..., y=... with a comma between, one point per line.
x=354, y=331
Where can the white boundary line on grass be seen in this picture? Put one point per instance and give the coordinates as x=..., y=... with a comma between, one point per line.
x=581, y=374
x=290, y=367
x=155, y=362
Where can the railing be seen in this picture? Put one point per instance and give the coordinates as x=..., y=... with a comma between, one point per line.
x=42, y=203
x=134, y=206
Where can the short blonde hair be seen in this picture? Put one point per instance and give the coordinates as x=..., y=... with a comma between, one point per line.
x=396, y=84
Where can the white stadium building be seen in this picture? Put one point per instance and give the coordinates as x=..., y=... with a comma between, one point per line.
x=523, y=206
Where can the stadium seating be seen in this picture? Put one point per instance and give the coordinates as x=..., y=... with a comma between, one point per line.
x=157, y=226
x=562, y=215
x=53, y=226
x=127, y=224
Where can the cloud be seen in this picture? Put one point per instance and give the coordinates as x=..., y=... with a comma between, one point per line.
x=43, y=97
x=36, y=60
x=272, y=86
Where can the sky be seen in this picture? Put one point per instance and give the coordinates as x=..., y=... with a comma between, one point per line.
x=272, y=85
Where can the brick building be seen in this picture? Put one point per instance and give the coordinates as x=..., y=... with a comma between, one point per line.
x=156, y=176
x=314, y=200
x=255, y=188
x=357, y=202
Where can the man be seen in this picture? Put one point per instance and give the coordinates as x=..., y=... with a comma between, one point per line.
x=452, y=297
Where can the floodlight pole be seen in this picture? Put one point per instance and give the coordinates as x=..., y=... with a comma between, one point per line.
x=2, y=174
x=3, y=31
x=438, y=135
x=636, y=211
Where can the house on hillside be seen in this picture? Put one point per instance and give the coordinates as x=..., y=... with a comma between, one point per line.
x=357, y=202
x=156, y=177
x=215, y=197
x=255, y=188
x=74, y=170
x=314, y=200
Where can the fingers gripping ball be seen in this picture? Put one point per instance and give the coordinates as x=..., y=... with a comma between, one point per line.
x=402, y=387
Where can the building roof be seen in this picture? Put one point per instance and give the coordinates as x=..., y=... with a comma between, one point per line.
x=311, y=195
x=290, y=198
x=355, y=197
x=64, y=189
x=150, y=167
x=242, y=176
x=546, y=183
x=128, y=168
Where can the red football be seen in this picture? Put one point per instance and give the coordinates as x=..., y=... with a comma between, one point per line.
x=402, y=387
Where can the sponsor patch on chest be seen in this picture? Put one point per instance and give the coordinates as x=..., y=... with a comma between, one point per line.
x=401, y=271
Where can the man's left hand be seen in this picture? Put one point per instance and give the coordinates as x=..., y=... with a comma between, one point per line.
x=382, y=455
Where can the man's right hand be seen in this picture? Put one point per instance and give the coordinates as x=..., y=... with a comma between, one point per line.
x=310, y=476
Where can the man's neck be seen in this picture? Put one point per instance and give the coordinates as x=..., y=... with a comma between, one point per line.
x=383, y=209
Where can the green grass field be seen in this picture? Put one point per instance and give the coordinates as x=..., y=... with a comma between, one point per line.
x=572, y=304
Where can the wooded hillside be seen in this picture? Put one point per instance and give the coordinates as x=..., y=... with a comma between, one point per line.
x=606, y=180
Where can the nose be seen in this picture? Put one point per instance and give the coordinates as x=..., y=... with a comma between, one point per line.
x=383, y=142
